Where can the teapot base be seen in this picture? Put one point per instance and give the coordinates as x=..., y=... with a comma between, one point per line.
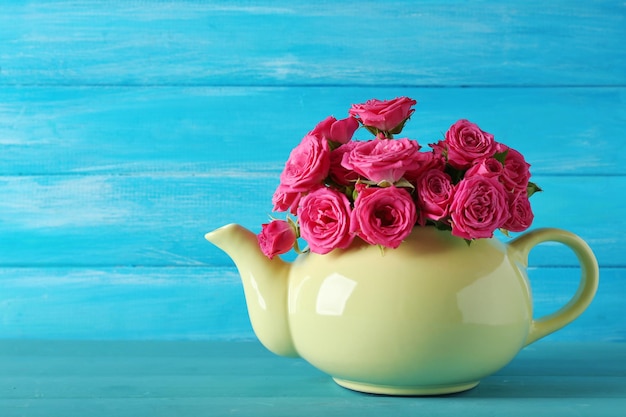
x=405, y=390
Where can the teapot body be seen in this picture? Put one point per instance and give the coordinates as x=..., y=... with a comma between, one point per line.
x=432, y=316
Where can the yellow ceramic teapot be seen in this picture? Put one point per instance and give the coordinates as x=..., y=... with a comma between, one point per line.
x=433, y=316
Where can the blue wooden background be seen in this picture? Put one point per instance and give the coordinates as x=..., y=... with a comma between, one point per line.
x=128, y=129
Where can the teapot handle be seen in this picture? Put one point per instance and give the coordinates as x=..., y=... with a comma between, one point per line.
x=588, y=278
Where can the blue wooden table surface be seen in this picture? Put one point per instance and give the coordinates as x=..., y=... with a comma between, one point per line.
x=209, y=378
x=128, y=129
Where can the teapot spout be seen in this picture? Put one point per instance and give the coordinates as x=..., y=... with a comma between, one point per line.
x=265, y=284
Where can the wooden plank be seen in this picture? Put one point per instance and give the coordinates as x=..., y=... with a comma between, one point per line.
x=296, y=42
x=289, y=386
x=207, y=303
x=358, y=405
x=160, y=220
x=102, y=130
x=156, y=378
x=122, y=303
x=19, y=357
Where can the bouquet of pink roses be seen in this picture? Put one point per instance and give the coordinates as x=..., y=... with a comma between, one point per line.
x=377, y=190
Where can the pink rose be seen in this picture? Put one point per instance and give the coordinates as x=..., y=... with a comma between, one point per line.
x=383, y=160
x=322, y=129
x=516, y=173
x=488, y=167
x=384, y=115
x=276, y=237
x=324, y=218
x=340, y=131
x=521, y=216
x=338, y=173
x=465, y=143
x=479, y=207
x=426, y=161
x=307, y=166
x=439, y=149
x=434, y=195
x=383, y=216
x=284, y=199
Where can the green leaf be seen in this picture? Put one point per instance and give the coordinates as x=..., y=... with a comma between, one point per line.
x=532, y=188
x=372, y=130
x=349, y=192
x=456, y=175
x=501, y=156
x=404, y=183
x=367, y=182
x=442, y=226
x=333, y=145
x=399, y=128
x=355, y=194
x=294, y=224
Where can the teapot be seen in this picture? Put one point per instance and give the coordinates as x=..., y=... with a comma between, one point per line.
x=433, y=316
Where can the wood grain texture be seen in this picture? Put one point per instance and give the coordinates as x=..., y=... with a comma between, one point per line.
x=153, y=130
x=224, y=378
x=303, y=43
x=128, y=129
x=151, y=220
